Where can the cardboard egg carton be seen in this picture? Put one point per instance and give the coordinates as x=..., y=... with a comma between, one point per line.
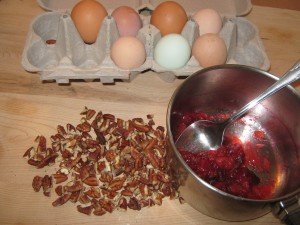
x=69, y=58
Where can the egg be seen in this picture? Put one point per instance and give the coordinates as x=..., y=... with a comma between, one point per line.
x=169, y=17
x=208, y=20
x=88, y=16
x=209, y=50
x=128, y=21
x=172, y=51
x=128, y=52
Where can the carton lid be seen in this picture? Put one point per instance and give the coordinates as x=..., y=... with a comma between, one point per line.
x=230, y=8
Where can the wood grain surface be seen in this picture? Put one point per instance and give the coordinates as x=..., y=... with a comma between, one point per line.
x=29, y=107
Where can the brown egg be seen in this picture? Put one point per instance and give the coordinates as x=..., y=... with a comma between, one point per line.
x=169, y=17
x=210, y=50
x=128, y=21
x=87, y=16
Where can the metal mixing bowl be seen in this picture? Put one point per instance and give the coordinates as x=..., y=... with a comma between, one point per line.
x=227, y=88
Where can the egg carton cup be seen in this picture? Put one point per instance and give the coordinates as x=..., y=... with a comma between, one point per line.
x=69, y=58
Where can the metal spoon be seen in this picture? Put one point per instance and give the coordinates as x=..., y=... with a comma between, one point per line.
x=207, y=135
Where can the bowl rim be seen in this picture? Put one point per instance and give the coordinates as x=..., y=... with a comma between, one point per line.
x=182, y=161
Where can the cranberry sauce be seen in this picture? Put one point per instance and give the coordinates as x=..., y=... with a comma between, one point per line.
x=234, y=167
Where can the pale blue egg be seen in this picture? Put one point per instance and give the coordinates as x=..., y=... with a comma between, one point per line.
x=172, y=51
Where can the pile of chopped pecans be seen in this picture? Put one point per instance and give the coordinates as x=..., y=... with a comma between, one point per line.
x=105, y=165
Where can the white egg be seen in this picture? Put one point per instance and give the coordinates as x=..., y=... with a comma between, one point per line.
x=172, y=51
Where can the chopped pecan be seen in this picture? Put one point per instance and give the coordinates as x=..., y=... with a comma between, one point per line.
x=85, y=210
x=107, y=205
x=109, y=117
x=84, y=173
x=61, y=200
x=28, y=152
x=122, y=203
x=91, y=181
x=47, y=185
x=60, y=177
x=33, y=162
x=117, y=164
x=84, y=127
x=99, y=212
x=59, y=190
x=100, y=136
x=90, y=113
x=117, y=183
x=100, y=166
x=93, y=192
x=126, y=192
x=140, y=127
x=61, y=130
x=70, y=128
x=42, y=144
x=110, y=155
x=47, y=160
x=37, y=183
x=84, y=199
x=77, y=186
x=134, y=204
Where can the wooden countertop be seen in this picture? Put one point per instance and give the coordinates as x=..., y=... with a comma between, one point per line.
x=29, y=107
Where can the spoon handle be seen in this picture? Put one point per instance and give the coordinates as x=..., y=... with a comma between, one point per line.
x=292, y=75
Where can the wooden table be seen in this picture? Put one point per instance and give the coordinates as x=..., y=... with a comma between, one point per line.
x=29, y=107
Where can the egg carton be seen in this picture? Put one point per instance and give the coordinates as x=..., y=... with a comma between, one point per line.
x=69, y=58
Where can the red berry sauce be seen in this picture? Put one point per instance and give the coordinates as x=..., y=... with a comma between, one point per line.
x=230, y=168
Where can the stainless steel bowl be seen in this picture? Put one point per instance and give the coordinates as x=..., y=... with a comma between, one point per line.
x=228, y=88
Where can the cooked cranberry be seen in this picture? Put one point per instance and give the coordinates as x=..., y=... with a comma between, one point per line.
x=232, y=167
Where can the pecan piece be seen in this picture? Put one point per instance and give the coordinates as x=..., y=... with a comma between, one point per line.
x=75, y=196
x=33, y=162
x=126, y=192
x=84, y=173
x=84, y=199
x=61, y=130
x=107, y=205
x=90, y=113
x=166, y=189
x=61, y=200
x=47, y=160
x=47, y=185
x=99, y=212
x=109, y=117
x=100, y=136
x=60, y=177
x=140, y=127
x=28, y=152
x=91, y=181
x=70, y=128
x=93, y=192
x=117, y=183
x=85, y=210
x=84, y=127
x=37, y=183
x=59, y=190
x=122, y=204
x=77, y=186
x=100, y=166
x=151, y=155
x=106, y=177
x=42, y=144
x=134, y=204
x=110, y=155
